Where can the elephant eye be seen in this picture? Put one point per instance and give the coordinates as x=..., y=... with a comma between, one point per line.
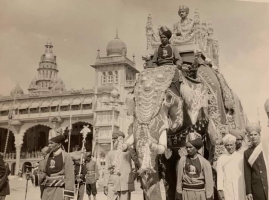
x=168, y=97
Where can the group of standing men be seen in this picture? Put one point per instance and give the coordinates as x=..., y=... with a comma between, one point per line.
x=59, y=174
x=241, y=173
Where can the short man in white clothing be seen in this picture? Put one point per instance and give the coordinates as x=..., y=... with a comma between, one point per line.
x=230, y=177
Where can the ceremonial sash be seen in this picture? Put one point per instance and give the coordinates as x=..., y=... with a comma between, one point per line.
x=255, y=154
x=54, y=181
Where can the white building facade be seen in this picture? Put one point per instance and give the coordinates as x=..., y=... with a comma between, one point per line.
x=48, y=106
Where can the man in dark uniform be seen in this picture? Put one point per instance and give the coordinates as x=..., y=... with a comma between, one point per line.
x=79, y=177
x=92, y=175
x=4, y=172
x=254, y=166
x=58, y=177
x=165, y=54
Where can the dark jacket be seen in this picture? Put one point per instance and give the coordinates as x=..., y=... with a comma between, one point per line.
x=256, y=176
x=4, y=182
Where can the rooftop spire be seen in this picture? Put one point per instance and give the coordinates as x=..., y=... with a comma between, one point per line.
x=98, y=53
x=49, y=46
x=134, y=58
x=117, y=37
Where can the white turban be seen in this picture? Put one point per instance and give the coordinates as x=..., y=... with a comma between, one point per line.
x=228, y=138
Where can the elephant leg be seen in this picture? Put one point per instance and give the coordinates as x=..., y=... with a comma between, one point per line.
x=151, y=186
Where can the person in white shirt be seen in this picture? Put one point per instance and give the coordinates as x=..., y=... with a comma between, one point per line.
x=230, y=177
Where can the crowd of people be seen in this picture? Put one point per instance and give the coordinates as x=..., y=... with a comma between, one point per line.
x=241, y=172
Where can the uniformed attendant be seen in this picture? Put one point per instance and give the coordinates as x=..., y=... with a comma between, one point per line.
x=165, y=54
x=4, y=182
x=92, y=175
x=79, y=177
x=58, y=177
x=118, y=175
x=41, y=166
x=256, y=179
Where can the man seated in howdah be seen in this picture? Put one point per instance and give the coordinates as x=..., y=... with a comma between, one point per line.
x=166, y=54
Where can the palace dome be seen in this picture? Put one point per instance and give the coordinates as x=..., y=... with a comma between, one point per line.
x=116, y=47
x=17, y=91
x=48, y=55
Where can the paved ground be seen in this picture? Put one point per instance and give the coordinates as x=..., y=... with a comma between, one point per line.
x=18, y=191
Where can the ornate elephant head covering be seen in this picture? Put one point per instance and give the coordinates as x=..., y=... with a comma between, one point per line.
x=253, y=127
x=165, y=31
x=228, y=138
x=184, y=8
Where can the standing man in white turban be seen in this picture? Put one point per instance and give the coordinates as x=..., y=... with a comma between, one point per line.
x=255, y=171
x=230, y=177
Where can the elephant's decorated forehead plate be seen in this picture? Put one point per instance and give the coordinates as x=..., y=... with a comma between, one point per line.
x=150, y=89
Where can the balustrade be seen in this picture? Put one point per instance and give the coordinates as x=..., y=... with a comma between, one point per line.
x=24, y=155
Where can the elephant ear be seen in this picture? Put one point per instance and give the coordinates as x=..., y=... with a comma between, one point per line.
x=130, y=104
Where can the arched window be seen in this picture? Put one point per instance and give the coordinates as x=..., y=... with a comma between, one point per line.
x=110, y=77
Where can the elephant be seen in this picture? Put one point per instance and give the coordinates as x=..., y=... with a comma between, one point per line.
x=167, y=105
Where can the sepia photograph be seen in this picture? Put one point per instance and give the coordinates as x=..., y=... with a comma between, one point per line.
x=134, y=100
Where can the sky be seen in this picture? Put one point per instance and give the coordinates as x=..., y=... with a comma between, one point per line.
x=78, y=28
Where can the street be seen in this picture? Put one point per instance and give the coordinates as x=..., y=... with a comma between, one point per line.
x=18, y=188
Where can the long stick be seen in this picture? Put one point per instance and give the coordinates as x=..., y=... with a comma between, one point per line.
x=26, y=189
x=113, y=119
x=84, y=132
x=69, y=135
x=9, y=122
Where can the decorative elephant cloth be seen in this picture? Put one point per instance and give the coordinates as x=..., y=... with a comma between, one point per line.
x=158, y=108
x=220, y=100
x=150, y=124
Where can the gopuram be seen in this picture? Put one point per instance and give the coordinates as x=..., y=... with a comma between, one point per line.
x=173, y=103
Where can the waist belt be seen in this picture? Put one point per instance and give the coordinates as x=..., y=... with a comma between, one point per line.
x=165, y=62
x=91, y=173
x=54, y=181
x=193, y=187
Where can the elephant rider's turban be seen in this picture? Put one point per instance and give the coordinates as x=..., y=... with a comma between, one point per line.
x=197, y=143
x=253, y=127
x=228, y=138
x=165, y=31
x=239, y=134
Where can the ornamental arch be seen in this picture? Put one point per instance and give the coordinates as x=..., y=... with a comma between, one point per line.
x=34, y=139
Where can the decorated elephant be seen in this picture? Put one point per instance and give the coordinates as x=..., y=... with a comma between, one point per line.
x=167, y=105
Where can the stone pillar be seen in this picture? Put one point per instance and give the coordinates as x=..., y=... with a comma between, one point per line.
x=18, y=156
x=18, y=144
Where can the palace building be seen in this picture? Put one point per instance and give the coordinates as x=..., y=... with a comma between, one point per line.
x=27, y=118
